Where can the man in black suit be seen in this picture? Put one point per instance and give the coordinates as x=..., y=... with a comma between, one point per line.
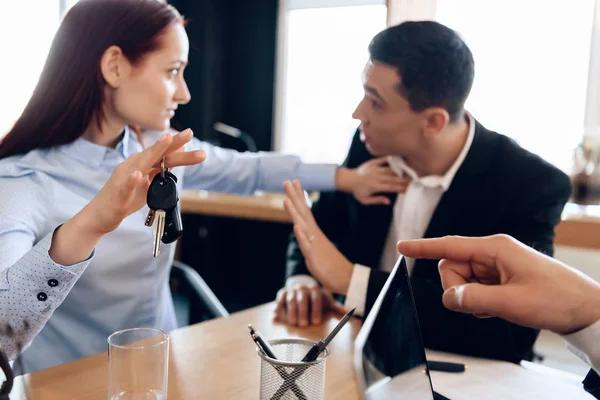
x=465, y=180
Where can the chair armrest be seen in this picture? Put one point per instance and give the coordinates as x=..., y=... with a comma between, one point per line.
x=195, y=282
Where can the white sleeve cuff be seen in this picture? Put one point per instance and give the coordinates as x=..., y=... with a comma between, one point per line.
x=585, y=344
x=357, y=291
x=300, y=280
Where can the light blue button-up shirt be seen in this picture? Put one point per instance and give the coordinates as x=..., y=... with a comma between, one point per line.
x=75, y=308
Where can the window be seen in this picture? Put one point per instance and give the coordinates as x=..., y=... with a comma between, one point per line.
x=26, y=34
x=322, y=52
x=531, y=68
x=536, y=79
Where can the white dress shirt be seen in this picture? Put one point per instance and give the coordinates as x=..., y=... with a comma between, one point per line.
x=585, y=344
x=411, y=215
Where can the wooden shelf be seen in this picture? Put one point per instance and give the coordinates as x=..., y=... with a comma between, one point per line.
x=580, y=226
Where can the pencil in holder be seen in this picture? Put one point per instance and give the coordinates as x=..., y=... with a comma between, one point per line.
x=288, y=378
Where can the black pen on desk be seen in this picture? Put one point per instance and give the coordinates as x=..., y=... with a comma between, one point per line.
x=264, y=346
x=445, y=366
x=318, y=347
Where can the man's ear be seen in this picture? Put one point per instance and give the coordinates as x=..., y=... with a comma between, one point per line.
x=114, y=66
x=436, y=119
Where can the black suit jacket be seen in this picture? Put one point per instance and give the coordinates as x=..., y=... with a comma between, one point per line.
x=592, y=384
x=500, y=188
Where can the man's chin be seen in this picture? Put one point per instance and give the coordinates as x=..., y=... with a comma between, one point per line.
x=373, y=150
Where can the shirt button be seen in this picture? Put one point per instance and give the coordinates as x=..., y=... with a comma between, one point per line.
x=53, y=283
x=42, y=296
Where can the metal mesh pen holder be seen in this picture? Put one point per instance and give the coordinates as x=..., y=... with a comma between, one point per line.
x=287, y=378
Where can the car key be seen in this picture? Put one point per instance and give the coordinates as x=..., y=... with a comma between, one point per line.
x=173, y=225
x=162, y=199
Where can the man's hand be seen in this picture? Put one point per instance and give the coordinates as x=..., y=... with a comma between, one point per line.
x=499, y=276
x=304, y=305
x=323, y=259
x=369, y=181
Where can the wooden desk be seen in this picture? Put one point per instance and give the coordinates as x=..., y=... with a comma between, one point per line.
x=213, y=360
x=263, y=207
x=580, y=227
x=217, y=360
x=577, y=229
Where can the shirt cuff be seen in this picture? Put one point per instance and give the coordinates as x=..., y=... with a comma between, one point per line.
x=300, y=280
x=38, y=282
x=584, y=344
x=357, y=291
x=317, y=176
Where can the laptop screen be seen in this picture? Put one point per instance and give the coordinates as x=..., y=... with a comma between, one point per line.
x=393, y=357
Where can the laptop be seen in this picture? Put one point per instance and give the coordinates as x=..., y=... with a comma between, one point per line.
x=389, y=356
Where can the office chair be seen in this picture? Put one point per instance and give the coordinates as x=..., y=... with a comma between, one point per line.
x=187, y=284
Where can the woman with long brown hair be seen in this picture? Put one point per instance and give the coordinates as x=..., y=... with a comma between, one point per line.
x=74, y=176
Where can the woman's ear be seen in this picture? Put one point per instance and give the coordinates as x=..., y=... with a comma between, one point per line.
x=114, y=66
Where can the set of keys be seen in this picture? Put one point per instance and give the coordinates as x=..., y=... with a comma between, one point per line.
x=164, y=215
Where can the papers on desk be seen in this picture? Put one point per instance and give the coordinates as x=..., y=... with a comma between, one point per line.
x=489, y=379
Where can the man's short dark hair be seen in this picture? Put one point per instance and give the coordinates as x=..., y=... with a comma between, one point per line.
x=435, y=65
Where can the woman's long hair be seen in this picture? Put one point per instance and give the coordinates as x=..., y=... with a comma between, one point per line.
x=69, y=93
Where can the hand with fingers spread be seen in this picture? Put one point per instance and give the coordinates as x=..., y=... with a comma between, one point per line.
x=370, y=181
x=125, y=191
x=499, y=276
x=304, y=305
x=323, y=259
x=123, y=194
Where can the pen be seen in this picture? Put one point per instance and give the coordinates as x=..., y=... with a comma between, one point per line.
x=264, y=346
x=317, y=348
x=445, y=366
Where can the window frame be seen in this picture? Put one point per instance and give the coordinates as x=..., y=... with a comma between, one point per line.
x=285, y=6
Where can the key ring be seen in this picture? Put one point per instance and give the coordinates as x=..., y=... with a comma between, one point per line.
x=162, y=168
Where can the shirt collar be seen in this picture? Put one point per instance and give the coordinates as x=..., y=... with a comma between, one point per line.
x=398, y=165
x=95, y=155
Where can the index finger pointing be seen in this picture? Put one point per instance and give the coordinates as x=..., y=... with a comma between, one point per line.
x=454, y=248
